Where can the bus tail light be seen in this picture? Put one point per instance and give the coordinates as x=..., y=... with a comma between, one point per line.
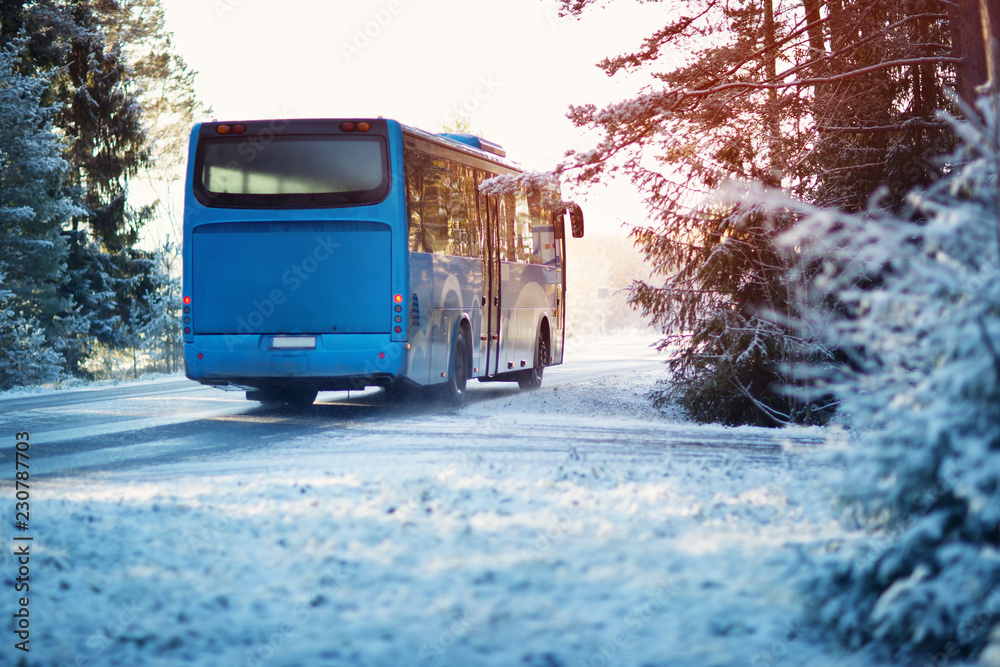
x=225, y=128
x=187, y=312
x=351, y=126
x=397, y=300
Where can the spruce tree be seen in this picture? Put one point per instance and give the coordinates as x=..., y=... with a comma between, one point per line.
x=124, y=99
x=790, y=95
x=159, y=323
x=886, y=69
x=916, y=308
x=33, y=207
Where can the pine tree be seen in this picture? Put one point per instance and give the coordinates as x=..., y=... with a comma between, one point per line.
x=26, y=357
x=33, y=207
x=97, y=112
x=120, y=88
x=770, y=93
x=169, y=105
x=887, y=66
x=916, y=310
x=102, y=119
x=159, y=324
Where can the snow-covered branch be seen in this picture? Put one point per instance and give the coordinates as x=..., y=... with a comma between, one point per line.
x=751, y=85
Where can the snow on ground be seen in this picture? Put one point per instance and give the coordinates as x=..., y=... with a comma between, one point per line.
x=78, y=384
x=571, y=526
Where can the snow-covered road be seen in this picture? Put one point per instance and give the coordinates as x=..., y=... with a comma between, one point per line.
x=575, y=525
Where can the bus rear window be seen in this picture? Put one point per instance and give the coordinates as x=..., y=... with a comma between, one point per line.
x=291, y=171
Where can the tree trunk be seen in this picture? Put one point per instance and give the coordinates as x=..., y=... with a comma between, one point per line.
x=971, y=21
x=817, y=49
x=990, y=21
x=817, y=42
x=773, y=179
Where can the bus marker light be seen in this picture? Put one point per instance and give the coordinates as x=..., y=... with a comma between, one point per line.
x=347, y=126
x=201, y=356
x=187, y=300
x=239, y=129
x=444, y=375
x=364, y=126
x=398, y=298
x=381, y=355
x=187, y=330
x=222, y=129
x=398, y=329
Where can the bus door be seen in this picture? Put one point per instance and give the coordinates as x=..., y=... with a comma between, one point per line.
x=491, y=282
x=559, y=247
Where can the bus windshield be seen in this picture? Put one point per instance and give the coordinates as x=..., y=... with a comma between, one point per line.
x=291, y=171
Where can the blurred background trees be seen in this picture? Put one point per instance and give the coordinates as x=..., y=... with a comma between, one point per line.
x=112, y=98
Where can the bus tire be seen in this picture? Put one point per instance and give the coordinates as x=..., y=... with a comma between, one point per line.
x=532, y=379
x=458, y=369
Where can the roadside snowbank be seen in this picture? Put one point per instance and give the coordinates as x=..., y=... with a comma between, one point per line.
x=571, y=526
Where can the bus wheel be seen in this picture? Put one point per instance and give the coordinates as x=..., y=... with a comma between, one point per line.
x=283, y=398
x=458, y=367
x=532, y=379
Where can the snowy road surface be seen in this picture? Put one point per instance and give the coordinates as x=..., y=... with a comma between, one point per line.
x=174, y=524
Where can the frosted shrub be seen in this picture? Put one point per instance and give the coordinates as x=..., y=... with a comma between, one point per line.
x=913, y=307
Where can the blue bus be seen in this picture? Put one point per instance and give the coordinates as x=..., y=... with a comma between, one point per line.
x=337, y=254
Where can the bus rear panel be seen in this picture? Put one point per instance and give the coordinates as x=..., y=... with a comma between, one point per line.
x=290, y=279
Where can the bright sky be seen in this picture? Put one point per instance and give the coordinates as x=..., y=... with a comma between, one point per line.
x=512, y=67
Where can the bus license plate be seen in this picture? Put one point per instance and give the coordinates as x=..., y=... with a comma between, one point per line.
x=293, y=343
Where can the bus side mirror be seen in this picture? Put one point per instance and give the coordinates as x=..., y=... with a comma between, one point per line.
x=576, y=220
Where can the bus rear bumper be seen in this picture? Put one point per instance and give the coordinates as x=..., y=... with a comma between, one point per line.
x=338, y=362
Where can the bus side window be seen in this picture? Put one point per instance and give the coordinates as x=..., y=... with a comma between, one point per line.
x=463, y=220
x=543, y=231
x=423, y=195
x=441, y=200
x=508, y=242
x=524, y=223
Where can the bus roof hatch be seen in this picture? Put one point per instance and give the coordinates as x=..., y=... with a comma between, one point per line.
x=475, y=142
